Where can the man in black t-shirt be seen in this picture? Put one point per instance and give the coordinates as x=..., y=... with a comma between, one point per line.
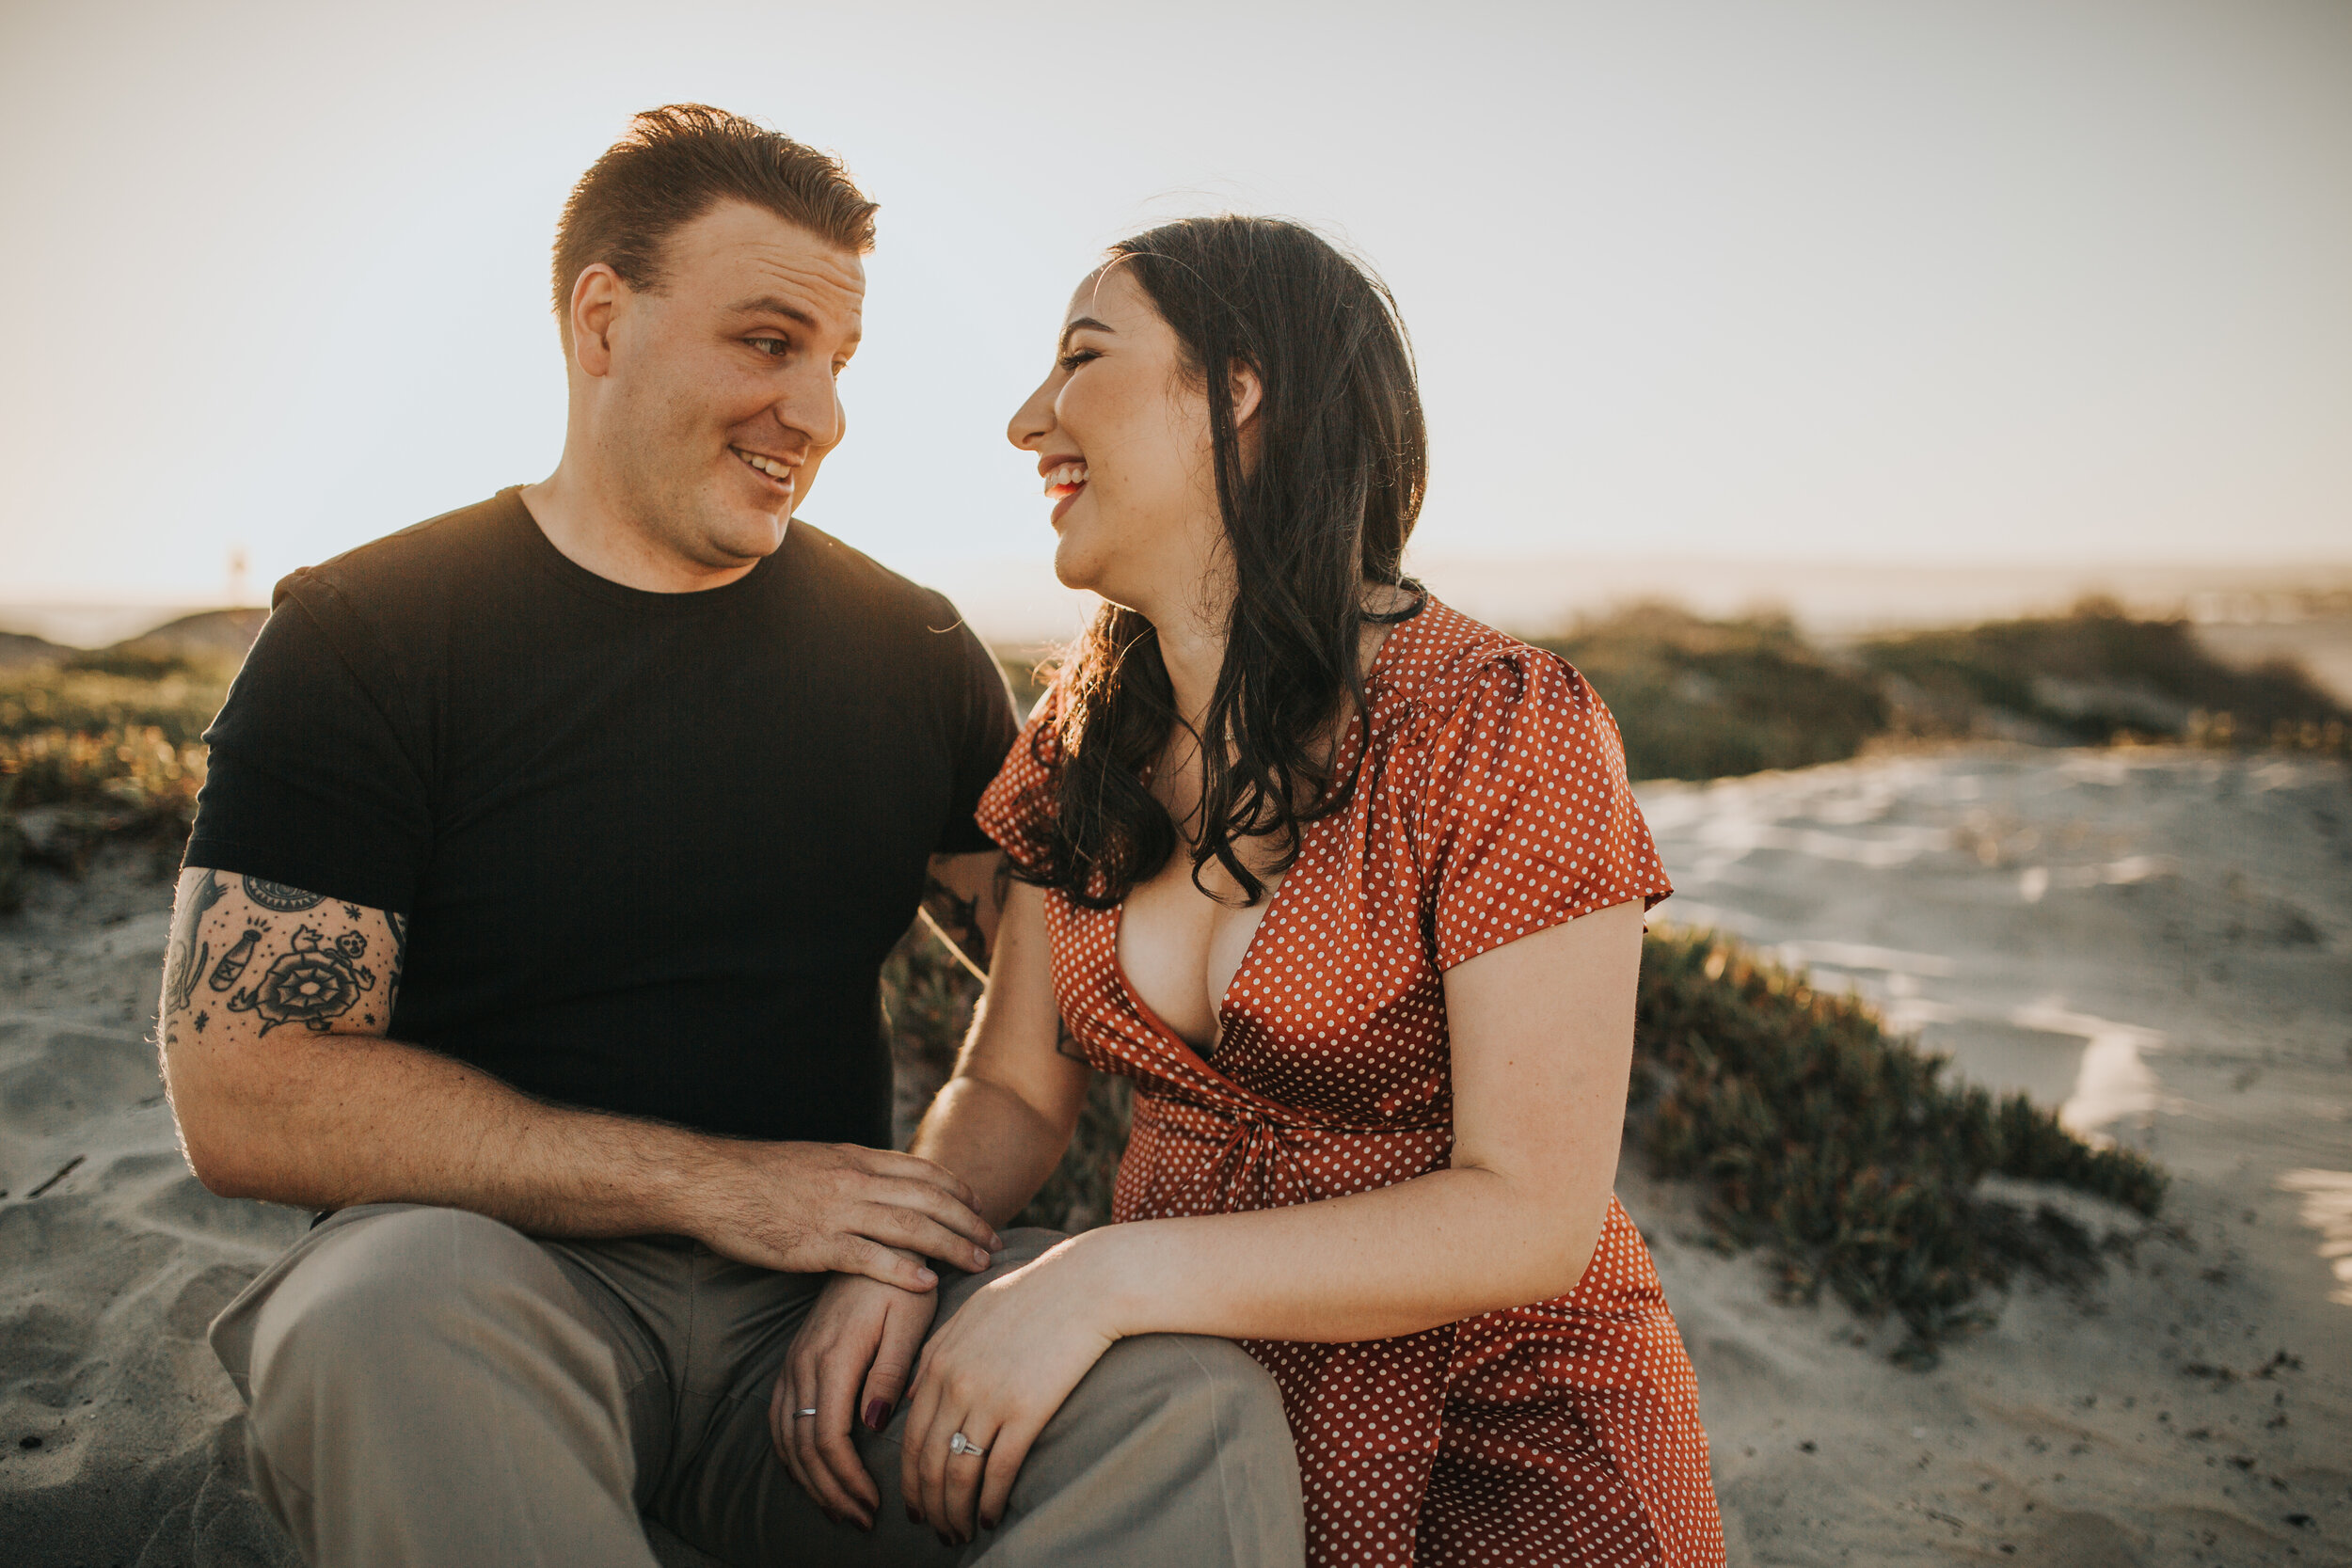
x=532, y=924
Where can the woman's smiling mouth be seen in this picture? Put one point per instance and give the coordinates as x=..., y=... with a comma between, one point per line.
x=1062, y=483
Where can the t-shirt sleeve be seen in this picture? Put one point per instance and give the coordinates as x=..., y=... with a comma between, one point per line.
x=1017, y=811
x=1528, y=819
x=988, y=726
x=310, y=782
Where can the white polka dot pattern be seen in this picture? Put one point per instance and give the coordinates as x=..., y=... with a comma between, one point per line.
x=1492, y=803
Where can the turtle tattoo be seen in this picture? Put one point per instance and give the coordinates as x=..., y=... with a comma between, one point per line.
x=312, y=983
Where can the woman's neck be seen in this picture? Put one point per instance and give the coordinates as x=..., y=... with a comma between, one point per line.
x=1194, y=657
x=1193, y=649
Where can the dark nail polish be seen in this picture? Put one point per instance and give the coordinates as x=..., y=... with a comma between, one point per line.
x=913, y=1517
x=945, y=1539
x=988, y=1524
x=877, y=1414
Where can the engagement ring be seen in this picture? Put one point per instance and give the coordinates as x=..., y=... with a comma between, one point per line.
x=961, y=1443
x=810, y=1411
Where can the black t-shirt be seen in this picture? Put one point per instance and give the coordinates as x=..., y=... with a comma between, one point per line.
x=653, y=846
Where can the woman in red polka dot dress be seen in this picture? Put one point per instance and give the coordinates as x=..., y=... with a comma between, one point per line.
x=1369, y=955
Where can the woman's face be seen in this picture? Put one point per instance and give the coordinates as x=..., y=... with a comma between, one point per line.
x=1120, y=433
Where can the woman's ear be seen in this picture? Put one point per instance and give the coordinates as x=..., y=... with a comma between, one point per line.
x=1245, y=390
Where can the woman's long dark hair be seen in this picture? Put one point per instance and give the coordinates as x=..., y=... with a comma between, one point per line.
x=1341, y=461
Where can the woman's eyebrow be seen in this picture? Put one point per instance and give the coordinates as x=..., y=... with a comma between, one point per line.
x=1084, y=323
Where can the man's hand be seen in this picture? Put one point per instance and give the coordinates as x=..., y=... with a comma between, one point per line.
x=849, y=1361
x=826, y=1208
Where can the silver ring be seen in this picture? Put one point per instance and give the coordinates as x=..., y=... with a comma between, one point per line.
x=961, y=1443
x=810, y=1411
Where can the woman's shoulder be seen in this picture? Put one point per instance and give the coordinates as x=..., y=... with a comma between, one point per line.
x=1017, y=807
x=1451, y=670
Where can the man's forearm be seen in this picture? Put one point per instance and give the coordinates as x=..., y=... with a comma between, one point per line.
x=333, y=1120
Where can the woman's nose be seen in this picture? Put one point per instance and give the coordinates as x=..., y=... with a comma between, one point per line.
x=1033, y=418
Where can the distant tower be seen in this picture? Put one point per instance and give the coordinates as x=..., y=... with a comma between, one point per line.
x=236, y=576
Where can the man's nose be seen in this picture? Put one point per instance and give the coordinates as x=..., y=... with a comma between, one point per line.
x=811, y=407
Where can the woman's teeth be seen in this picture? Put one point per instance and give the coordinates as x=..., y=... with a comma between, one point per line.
x=1065, y=480
x=765, y=464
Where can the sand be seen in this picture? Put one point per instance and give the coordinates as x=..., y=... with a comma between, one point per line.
x=2155, y=941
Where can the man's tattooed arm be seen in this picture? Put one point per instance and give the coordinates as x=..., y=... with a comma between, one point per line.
x=964, y=897
x=279, y=956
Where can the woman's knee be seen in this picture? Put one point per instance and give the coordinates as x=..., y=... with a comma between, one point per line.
x=1208, y=1383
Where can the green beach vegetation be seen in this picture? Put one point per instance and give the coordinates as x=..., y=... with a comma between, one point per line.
x=1701, y=699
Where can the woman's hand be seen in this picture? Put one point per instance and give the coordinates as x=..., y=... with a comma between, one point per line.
x=998, y=1371
x=849, y=1362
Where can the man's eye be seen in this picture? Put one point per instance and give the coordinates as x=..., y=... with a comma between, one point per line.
x=777, y=347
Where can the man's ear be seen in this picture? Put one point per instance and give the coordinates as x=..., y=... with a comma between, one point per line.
x=1246, y=391
x=595, y=298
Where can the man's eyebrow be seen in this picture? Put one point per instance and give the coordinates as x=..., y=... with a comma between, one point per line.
x=1084, y=323
x=770, y=305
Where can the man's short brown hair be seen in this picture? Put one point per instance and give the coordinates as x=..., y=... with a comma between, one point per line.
x=675, y=164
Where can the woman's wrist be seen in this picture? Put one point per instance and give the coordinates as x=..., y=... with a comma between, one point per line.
x=1098, y=1269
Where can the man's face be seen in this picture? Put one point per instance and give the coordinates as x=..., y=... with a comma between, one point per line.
x=718, y=398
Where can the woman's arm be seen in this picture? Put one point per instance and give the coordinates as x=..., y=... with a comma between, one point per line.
x=1003, y=1121
x=1542, y=1033
x=1007, y=1114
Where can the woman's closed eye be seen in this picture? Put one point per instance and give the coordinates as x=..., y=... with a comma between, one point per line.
x=1076, y=358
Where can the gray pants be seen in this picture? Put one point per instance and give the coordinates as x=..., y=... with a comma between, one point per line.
x=429, y=1387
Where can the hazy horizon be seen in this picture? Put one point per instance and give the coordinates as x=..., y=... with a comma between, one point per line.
x=1013, y=600
x=1973, y=283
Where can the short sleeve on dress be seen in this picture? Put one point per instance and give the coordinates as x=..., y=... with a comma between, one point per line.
x=1017, y=809
x=1527, y=819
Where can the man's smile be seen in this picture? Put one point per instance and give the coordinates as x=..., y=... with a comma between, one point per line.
x=775, y=470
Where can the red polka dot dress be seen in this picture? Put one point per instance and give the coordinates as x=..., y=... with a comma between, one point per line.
x=1492, y=802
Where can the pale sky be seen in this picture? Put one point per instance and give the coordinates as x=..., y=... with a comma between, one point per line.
x=1967, y=280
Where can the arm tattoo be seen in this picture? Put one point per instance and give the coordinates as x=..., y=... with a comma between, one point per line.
x=231, y=966
x=188, y=956
x=312, y=983
x=400, y=951
x=279, y=898
x=955, y=920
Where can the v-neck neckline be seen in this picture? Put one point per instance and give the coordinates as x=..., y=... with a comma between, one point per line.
x=1144, y=1009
